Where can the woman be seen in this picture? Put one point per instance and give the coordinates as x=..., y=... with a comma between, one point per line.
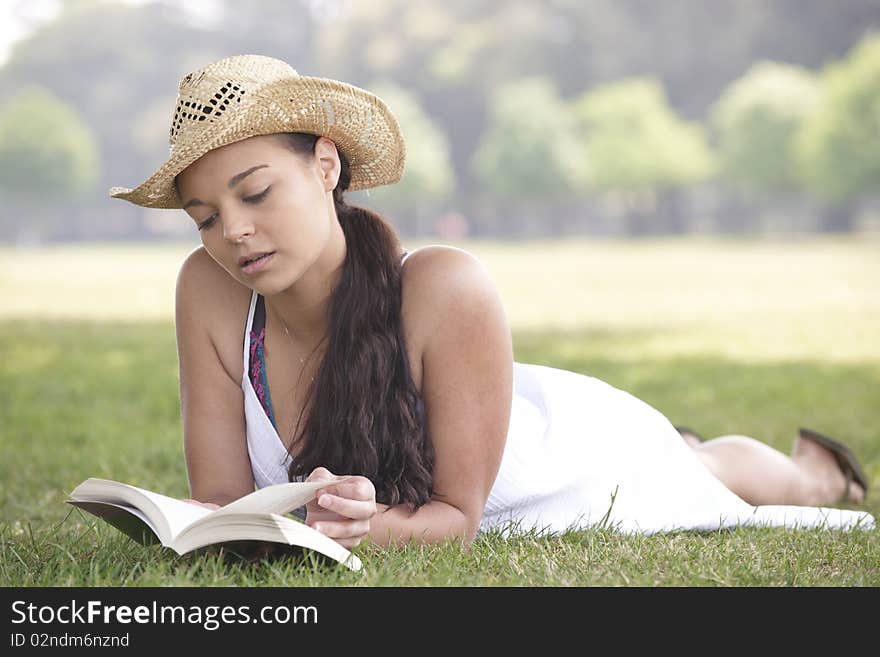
x=391, y=373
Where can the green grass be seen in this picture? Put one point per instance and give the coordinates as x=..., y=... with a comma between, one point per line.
x=87, y=394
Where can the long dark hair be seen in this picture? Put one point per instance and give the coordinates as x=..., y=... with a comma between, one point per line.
x=363, y=414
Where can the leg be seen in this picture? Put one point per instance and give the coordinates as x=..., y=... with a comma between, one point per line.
x=762, y=475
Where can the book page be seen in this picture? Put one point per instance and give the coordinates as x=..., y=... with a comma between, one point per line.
x=127, y=519
x=262, y=527
x=178, y=513
x=169, y=515
x=279, y=498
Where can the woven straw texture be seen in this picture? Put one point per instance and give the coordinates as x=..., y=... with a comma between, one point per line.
x=249, y=95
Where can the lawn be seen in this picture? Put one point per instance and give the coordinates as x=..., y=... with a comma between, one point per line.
x=726, y=336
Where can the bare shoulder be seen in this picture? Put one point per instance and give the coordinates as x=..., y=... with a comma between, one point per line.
x=210, y=301
x=440, y=259
x=436, y=275
x=201, y=269
x=442, y=283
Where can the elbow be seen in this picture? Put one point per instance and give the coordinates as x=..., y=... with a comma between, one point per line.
x=464, y=516
x=473, y=524
x=471, y=518
x=469, y=538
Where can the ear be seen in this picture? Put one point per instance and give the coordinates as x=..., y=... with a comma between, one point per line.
x=328, y=162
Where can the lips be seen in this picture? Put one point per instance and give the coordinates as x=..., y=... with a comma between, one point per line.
x=254, y=267
x=242, y=261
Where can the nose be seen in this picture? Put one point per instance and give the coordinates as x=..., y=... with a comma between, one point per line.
x=237, y=227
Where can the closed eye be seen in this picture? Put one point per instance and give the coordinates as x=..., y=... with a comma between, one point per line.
x=259, y=197
x=253, y=200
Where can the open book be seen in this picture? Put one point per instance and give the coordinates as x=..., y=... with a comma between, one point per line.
x=149, y=517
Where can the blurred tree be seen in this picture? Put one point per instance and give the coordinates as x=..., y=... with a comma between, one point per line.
x=278, y=28
x=530, y=152
x=46, y=153
x=452, y=55
x=118, y=63
x=428, y=179
x=695, y=47
x=119, y=66
x=756, y=120
x=839, y=145
x=637, y=151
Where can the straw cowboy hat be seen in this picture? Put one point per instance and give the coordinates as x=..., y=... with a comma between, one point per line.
x=248, y=95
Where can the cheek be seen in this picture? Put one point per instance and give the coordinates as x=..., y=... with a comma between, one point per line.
x=303, y=223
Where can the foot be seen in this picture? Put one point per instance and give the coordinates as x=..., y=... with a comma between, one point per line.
x=691, y=437
x=831, y=482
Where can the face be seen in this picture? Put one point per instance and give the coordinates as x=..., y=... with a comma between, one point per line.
x=258, y=196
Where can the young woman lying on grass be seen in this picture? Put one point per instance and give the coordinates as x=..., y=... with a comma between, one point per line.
x=391, y=373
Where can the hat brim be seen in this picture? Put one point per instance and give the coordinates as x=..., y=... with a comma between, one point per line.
x=357, y=121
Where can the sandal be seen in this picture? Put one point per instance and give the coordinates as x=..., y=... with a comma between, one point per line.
x=690, y=432
x=846, y=460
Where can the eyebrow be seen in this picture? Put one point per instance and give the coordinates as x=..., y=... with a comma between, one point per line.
x=237, y=178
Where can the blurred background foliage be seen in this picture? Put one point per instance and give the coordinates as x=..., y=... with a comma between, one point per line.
x=523, y=118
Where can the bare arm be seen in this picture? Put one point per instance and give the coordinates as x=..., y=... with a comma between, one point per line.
x=211, y=402
x=467, y=364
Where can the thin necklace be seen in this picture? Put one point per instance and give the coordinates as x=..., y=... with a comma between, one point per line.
x=284, y=324
x=302, y=359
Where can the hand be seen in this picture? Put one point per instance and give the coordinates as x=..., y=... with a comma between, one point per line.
x=342, y=510
x=207, y=505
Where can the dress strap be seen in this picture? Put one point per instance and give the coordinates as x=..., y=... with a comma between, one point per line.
x=247, y=335
x=257, y=361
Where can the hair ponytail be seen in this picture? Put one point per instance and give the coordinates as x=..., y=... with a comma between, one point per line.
x=366, y=416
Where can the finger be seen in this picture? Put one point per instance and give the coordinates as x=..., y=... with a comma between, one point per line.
x=353, y=488
x=343, y=529
x=319, y=514
x=321, y=474
x=355, y=509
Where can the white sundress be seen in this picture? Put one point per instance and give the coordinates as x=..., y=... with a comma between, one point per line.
x=580, y=453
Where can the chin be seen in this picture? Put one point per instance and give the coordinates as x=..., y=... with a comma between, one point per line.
x=269, y=287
